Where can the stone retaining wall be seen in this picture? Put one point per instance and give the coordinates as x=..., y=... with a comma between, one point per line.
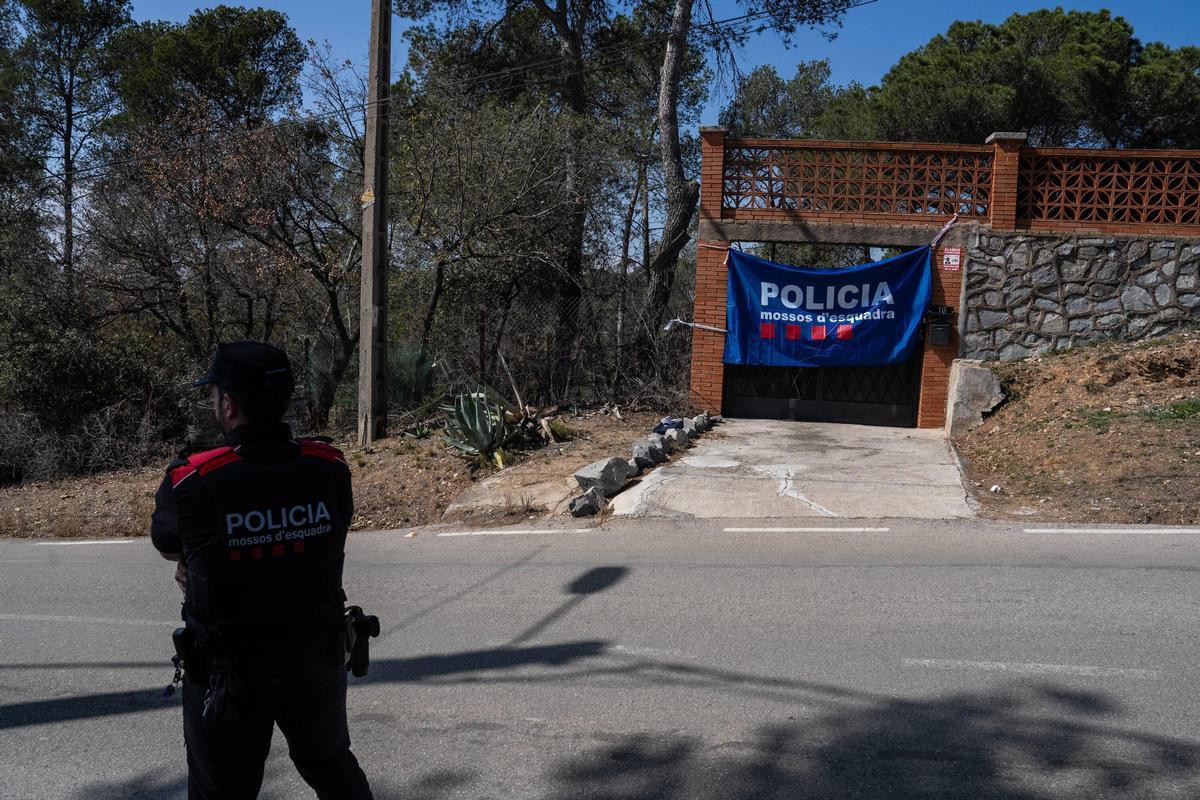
x=1027, y=294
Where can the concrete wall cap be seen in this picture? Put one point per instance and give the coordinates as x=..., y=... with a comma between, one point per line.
x=713, y=129
x=1018, y=136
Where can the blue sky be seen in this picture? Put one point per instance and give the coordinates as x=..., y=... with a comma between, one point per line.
x=872, y=38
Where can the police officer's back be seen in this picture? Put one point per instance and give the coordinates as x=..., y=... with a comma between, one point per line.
x=259, y=527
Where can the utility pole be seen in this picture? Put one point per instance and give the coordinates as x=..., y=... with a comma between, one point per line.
x=372, y=320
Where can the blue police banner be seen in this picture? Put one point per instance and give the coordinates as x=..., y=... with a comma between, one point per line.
x=863, y=316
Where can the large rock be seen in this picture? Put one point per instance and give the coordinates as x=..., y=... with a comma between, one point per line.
x=647, y=453
x=607, y=476
x=676, y=439
x=690, y=430
x=634, y=468
x=587, y=504
x=701, y=421
x=974, y=391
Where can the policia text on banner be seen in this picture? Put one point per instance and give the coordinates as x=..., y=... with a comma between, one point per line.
x=868, y=315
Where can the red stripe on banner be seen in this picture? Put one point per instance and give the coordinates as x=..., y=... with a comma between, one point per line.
x=818, y=333
x=845, y=331
x=766, y=330
x=277, y=550
x=256, y=552
x=235, y=555
x=297, y=547
x=791, y=332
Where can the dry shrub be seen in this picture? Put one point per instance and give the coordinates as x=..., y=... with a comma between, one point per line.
x=108, y=439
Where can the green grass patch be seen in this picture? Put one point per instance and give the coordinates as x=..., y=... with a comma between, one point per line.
x=1099, y=420
x=1186, y=409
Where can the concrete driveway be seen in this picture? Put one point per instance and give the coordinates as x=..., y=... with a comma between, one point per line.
x=770, y=468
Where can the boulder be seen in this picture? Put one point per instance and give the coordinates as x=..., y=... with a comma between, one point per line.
x=635, y=469
x=974, y=391
x=607, y=476
x=587, y=504
x=715, y=419
x=701, y=422
x=643, y=454
x=676, y=439
x=689, y=429
x=657, y=448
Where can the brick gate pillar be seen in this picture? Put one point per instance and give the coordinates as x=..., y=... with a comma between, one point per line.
x=1006, y=161
x=946, y=290
x=708, y=347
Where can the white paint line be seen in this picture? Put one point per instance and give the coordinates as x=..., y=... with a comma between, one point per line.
x=806, y=530
x=93, y=541
x=1033, y=669
x=1120, y=531
x=150, y=623
x=542, y=532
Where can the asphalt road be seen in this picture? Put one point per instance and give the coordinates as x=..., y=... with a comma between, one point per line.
x=664, y=659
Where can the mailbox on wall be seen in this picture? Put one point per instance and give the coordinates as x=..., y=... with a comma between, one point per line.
x=939, y=318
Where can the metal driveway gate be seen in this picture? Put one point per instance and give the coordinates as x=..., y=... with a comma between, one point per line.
x=860, y=395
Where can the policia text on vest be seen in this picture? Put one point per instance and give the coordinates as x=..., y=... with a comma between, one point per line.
x=259, y=527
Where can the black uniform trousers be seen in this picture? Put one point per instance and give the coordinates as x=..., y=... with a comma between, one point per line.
x=308, y=702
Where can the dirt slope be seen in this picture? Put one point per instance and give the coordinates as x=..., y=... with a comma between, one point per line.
x=1109, y=433
x=399, y=483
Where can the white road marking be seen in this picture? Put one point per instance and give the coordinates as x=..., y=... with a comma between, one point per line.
x=806, y=530
x=531, y=532
x=151, y=623
x=91, y=541
x=1033, y=669
x=1136, y=531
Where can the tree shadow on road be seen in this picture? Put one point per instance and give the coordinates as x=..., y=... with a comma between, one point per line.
x=1025, y=742
x=391, y=670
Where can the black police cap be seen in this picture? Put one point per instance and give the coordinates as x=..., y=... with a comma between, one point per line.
x=250, y=368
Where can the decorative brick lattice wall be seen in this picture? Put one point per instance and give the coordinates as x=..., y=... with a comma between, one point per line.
x=1141, y=191
x=836, y=180
x=1070, y=246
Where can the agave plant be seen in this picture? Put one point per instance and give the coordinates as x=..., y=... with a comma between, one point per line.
x=476, y=428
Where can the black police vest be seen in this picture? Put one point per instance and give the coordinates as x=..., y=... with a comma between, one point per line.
x=263, y=530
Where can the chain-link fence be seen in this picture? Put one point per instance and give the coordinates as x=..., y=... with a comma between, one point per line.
x=599, y=345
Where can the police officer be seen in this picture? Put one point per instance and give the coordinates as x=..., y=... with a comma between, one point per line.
x=258, y=527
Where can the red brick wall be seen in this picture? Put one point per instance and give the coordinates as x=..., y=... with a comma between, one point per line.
x=935, y=364
x=708, y=348
x=1006, y=149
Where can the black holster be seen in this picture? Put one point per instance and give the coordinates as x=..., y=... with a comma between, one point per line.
x=206, y=664
x=357, y=631
x=192, y=658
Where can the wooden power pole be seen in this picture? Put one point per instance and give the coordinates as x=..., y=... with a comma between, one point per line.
x=372, y=320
